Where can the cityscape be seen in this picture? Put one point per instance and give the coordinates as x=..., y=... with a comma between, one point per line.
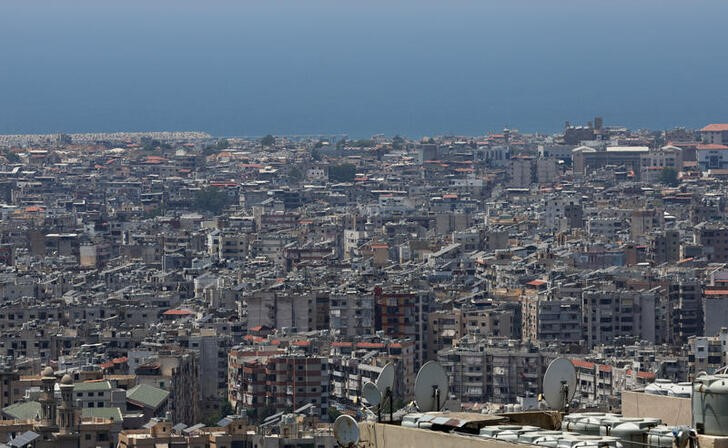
x=180, y=288
x=379, y=224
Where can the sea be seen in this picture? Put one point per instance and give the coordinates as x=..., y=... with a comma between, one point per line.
x=360, y=67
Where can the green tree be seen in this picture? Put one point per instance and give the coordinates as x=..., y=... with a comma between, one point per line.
x=362, y=143
x=11, y=156
x=295, y=174
x=209, y=150
x=397, y=142
x=268, y=140
x=223, y=143
x=211, y=199
x=150, y=144
x=316, y=154
x=342, y=173
x=333, y=413
x=668, y=176
x=226, y=409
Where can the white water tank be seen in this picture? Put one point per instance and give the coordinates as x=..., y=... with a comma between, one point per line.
x=491, y=432
x=531, y=436
x=632, y=434
x=660, y=437
x=710, y=405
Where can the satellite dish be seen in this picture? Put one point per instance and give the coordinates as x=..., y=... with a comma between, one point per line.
x=559, y=383
x=371, y=393
x=385, y=380
x=346, y=431
x=431, y=387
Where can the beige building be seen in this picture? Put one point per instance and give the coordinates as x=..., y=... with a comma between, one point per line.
x=653, y=163
x=59, y=423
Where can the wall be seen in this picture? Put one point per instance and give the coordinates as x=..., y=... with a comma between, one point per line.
x=376, y=435
x=672, y=410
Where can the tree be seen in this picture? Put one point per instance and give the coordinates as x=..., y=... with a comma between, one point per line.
x=268, y=140
x=11, y=156
x=333, y=413
x=226, y=409
x=295, y=174
x=342, y=173
x=669, y=177
x=316, y=154
x=362, y=143
x=223, y=143
x=397, y=142
x=211, y=199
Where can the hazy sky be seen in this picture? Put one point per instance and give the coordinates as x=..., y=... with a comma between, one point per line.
x=361, y=67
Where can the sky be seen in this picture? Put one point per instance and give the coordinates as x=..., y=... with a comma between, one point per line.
x=243, y=68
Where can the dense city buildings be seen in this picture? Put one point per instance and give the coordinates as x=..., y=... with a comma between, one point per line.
x=176, y=288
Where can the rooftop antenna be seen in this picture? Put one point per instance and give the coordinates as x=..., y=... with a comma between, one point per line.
x=430, y=385
x=559, y=384
x=346, y=431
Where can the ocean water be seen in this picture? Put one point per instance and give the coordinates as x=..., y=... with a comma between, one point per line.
x=409, y=67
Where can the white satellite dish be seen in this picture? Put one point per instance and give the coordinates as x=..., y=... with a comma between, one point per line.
x=559, y=383
x=371, y=393
x=385, y=380
x=431, y=387
x=346, y=431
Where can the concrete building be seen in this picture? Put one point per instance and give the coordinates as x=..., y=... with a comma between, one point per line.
x=352, y=313
x=551, y=319
x=610, y=314
x=60, y=423
x=587, y=159
x=715, y=134
x=521, y=172
x=707, y=354
x=714, y=241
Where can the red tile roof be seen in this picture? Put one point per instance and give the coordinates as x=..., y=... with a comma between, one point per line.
x=583, y=364
x=716, y=292
x=716, y=127
x=711, y=146
x=178, y=313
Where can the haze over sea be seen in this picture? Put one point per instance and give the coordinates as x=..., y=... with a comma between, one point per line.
x=410, y=67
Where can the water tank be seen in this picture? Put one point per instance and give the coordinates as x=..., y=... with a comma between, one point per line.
x=510, y=436
x=681, y=390
x=632, y=434
x=660, y=437
x=547, y=441
x=513, y=434
x=584, y=441
x=410, y=420
x=588, y=423
x=531, y=436
x=710, y=405
x=491, y=432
